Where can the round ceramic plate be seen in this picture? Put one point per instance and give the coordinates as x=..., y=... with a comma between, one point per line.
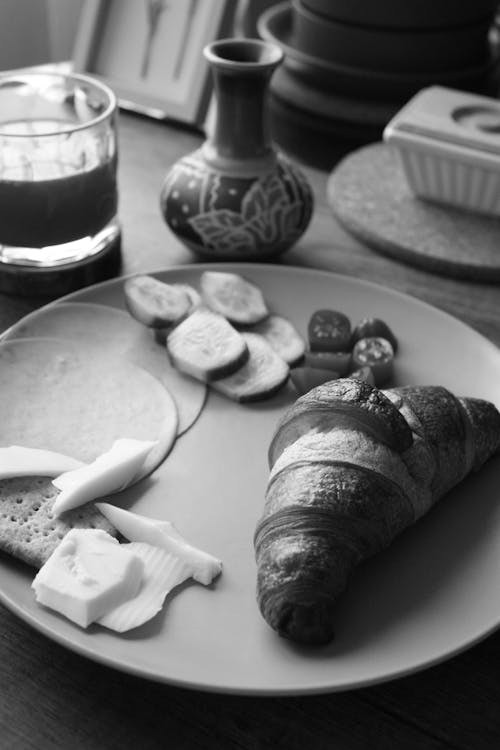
x=433, y=593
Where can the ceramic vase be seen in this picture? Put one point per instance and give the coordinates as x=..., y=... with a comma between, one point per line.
x=236, y=197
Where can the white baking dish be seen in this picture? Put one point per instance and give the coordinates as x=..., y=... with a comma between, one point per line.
x=449, y=145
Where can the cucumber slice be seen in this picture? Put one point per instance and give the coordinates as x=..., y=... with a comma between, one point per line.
x=193, y=295
x=160, y=334
x=237, y=299
x=283, y=337
x=155, y=304
x=206, y=346
x=260, y=377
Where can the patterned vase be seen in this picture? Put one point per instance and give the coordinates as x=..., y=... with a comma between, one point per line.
x=236, y=197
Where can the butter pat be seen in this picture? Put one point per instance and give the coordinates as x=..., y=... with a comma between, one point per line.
x=88, y=574
x=17, y=461
x=202, y=566
x=110, y=472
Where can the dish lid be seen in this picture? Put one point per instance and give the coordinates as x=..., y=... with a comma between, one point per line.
x=449, y=117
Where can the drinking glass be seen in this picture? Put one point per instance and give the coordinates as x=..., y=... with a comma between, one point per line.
x=58, y=161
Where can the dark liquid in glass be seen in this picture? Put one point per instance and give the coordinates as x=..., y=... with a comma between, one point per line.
x=49, y=212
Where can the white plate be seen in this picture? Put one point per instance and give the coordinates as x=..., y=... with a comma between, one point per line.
x=432, y=594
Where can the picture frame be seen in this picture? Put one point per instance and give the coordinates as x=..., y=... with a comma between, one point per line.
x=150, y=52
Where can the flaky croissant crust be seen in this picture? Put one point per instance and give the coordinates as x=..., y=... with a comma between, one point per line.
x=351, y=468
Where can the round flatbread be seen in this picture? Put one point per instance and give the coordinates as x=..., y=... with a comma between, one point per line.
x=55, y=396
x=101, y=332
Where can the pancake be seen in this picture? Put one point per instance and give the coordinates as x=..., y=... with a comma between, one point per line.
x=57, y=395
x=101, y=332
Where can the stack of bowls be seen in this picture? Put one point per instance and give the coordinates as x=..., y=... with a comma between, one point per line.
x=350, y=65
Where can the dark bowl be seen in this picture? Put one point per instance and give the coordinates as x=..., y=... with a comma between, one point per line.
x=405, y=14
x=360, y=113
x=276, y=25
x=404, y=51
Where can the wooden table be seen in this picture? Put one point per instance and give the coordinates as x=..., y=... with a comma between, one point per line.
x=53, y=698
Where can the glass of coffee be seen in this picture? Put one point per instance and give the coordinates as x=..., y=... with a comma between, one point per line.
x=58, y=162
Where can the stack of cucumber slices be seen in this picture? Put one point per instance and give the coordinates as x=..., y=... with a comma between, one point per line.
x=224, y=334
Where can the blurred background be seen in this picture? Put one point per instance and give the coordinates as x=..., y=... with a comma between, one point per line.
x=349, y=65
x=33, y=32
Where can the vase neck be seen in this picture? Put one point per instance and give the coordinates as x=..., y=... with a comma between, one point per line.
x=241, y=70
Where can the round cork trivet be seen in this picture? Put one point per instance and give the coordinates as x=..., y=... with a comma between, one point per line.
x=370, y=197
x=49, y=283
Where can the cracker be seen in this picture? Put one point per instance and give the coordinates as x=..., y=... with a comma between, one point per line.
x=28, y=530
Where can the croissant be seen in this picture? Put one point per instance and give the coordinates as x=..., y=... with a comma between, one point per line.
x=352, y=466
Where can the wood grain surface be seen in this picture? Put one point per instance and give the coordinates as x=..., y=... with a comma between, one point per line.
x=53, y=698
